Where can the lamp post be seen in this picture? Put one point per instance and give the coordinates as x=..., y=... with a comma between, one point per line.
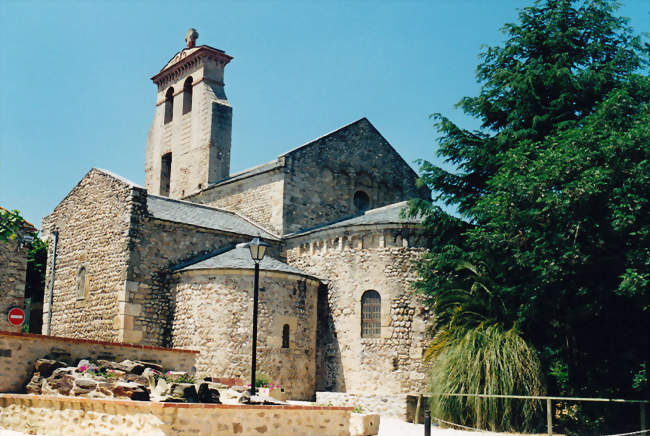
x=258, y=249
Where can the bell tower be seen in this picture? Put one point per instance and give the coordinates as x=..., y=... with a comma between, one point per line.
x=188, y=145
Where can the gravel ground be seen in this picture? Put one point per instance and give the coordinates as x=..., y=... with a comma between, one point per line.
x=397, y=427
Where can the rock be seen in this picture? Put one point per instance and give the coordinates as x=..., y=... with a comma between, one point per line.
x=184, y=392
x=151, y=365
x=244, y=398
x=35, y=385
x=229, y=396
x=84, y=385
x=61, y=383
x=208, y=393
x=149, y=374
x=132, y=391
x=138, y=379
x=131, y=367
x=239, y=389
x=105, y=388
x=45, y=367
x=83, y=363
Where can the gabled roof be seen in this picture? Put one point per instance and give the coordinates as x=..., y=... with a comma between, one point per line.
x=240, y=258
x=391, y=214
x=203, y=216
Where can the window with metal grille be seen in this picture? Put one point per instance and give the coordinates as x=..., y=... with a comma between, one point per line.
x=370, y=314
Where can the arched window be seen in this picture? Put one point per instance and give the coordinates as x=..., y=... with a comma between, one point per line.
x=370, y=314
x=187, y=95
x=169, y=105
x=361, y=201
x=81, y=283
x=165, y=174
x=285, y=336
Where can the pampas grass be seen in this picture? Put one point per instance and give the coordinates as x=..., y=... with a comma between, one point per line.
x=486, y=359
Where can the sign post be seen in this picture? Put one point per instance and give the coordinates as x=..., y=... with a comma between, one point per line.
x=16, y=316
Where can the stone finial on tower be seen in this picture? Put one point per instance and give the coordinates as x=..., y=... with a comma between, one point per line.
x=191, y=37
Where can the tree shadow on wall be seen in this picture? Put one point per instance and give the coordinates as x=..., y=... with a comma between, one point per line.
x=329, y=368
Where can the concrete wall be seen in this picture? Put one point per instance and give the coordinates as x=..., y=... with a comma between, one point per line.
x=93, y=223
x=13, y=273
x=83, y=416
x=19, y=351
x=322, y=177
x=354, y=261
x=214, y=312
x=257, y=197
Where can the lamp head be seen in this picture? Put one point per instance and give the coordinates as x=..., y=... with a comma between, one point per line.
x=258, y=249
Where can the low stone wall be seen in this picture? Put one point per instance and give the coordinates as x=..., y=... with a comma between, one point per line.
x=83, y=416
x=386, y=405
x=19, y=351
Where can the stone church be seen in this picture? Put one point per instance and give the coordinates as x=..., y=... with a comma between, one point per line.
x=163, y=264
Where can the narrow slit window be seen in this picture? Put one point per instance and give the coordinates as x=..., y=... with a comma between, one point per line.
x=81, y=283
x=187, y=95
x=169, y=105
x=165, y=174
x=285, y=336
x=371, y=314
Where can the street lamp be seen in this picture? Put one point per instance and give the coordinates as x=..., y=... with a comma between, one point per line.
x=258, y=249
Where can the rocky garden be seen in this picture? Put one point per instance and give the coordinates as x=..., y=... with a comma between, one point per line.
x=135, y=380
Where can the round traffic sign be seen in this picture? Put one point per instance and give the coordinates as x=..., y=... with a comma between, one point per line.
x=16, y=316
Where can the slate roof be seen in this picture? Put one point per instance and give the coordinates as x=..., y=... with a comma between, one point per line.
x=382, y=215
x=240, y=258
x=202, y=216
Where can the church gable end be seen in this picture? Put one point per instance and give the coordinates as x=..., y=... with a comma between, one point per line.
x=342, y=174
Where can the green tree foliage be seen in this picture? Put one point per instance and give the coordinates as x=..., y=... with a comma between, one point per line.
x=554, y=192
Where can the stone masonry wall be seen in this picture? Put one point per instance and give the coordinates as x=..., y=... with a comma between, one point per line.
x=354, y=261
x=93, y=222
x=321, y=178
x=199, y=140
x=94, y=417
x=258, y=198
x=214, y=311
x=147, y=302
x=13, y=273
x=18, y=352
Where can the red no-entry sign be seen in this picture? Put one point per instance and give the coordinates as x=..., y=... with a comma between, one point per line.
x=16, y=316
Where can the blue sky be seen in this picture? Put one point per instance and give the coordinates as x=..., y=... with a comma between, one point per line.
x=76, y=92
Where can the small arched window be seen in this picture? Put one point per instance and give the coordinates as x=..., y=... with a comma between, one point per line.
x=285, y=336
x=361, y=201
x=169, y=105
x=370, y=314
x=187, y=95
x=81, y=283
